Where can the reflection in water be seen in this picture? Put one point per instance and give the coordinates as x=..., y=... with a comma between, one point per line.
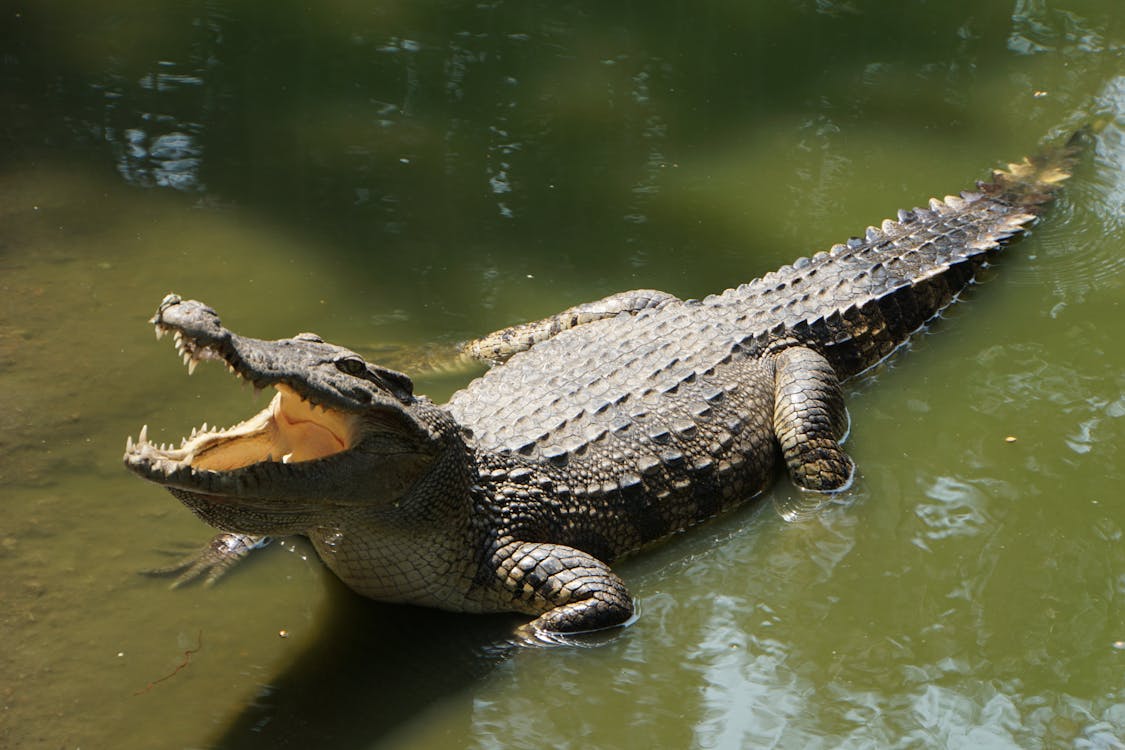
x=958, y=512
x=170, y=160
x=948, y=718
x=1039, y=28
x=653, y=132
x=1110, y=154
x=1029, y=34
x=750, y=693
x=820, y=174
x=156, y=123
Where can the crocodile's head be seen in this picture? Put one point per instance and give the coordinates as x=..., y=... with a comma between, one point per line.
x=340, y=435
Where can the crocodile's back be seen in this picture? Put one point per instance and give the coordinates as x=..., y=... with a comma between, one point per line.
x=619, y=432
x=601, y=376
x=854, y=303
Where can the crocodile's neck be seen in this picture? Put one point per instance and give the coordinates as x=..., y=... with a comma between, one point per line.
x=375, y=548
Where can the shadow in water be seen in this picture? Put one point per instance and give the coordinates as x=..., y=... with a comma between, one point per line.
x=375, y=667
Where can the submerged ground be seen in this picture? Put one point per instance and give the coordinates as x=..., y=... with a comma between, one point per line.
x=397, y=175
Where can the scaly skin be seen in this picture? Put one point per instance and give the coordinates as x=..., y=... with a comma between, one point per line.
x=604, y=428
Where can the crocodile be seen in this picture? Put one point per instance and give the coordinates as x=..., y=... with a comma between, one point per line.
x=596, y=432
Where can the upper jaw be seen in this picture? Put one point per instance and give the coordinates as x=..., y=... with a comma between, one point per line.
x=305, y=363
x=197, y=330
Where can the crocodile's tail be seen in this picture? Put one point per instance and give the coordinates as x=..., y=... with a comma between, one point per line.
x=859, y=301
x=1033, y=182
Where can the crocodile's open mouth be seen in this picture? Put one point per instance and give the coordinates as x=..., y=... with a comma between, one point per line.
x=291, y=429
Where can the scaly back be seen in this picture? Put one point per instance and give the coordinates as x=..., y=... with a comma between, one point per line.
x=860, y=300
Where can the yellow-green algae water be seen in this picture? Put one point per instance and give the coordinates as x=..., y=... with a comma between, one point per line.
x=394, y=174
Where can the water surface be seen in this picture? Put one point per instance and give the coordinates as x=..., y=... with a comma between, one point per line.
x=397, y=175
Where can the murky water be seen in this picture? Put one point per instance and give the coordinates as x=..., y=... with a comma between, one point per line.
x=404, y=174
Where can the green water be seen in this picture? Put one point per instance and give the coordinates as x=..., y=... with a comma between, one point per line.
x=402, y=174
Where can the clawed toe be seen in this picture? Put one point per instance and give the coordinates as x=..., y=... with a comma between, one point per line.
x=211, y=563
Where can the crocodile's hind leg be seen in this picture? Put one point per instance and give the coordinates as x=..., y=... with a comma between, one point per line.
x=498, y=346
x=809, y=420
x=571, y=591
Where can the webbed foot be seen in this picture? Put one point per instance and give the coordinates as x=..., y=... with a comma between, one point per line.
x=211, y=563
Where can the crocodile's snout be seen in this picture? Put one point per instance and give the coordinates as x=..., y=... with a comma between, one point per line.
x=189, y=317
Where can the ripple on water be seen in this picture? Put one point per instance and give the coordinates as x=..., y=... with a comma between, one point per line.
x=751, y=696
x=959, y=511
x=954, y=719
x=796, y=506
x=1027, y=373
x=1081, y=404
x=1079, y=248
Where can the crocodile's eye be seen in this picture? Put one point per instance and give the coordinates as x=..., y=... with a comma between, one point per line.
x=309, y=337
x=352, y=366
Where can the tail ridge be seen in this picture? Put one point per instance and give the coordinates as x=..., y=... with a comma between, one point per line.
x=861, y=299
x=1033, y=182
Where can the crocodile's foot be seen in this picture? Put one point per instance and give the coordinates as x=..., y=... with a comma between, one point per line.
x=572, y=592
x=212, y=562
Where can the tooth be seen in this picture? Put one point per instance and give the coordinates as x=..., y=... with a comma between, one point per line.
x=143, y=437
x=129, y=444
x=203, y=428
x=286, y=458
x=159, y=332
x=191, y=365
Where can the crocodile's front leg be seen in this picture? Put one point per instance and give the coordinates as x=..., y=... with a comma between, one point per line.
x=214, y=561
x=809, y=420
x=570, y=590
x=498, y=346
